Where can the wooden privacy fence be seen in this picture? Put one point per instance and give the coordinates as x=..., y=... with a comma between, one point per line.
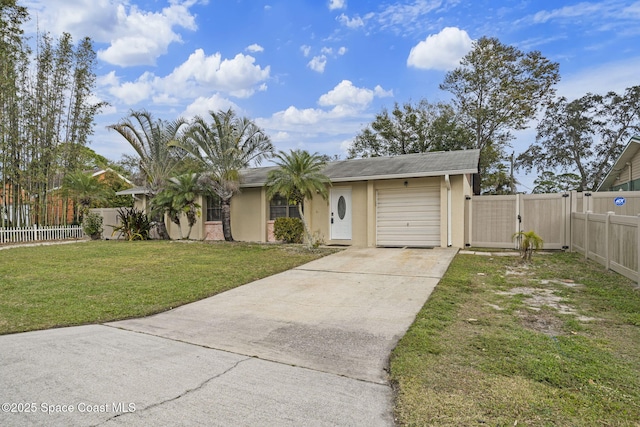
x=602, y=226
x=39, y=233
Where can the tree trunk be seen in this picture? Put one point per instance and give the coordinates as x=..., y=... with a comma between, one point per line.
x=226, y=219
x=307, y=232
x=162, y=230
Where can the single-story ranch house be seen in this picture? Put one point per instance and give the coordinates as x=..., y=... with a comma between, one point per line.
x=412, y=200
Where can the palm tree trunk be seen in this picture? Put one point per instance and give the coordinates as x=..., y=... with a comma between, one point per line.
x=162, y=230
x=226, y=219
x=307, y=232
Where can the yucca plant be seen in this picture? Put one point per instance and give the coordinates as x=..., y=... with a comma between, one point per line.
x=528, y=242
x=134, y=224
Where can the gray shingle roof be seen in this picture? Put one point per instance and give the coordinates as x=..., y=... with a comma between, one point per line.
x=405, y=166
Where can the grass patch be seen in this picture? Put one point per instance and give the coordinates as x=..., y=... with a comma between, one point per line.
x=555, y=342
x=94, y=282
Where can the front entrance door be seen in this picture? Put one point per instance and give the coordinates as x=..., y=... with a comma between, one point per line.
x=340, y=215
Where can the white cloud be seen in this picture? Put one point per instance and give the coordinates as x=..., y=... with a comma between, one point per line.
x=600, y=79
x=409, y=15
x=239, y=77
x=342, y=50
x=336, y=4
x=344, y=115
x=255, y=48
x=109, y=79
x=326, y=50
x=280, y=136
x=381, y=93
x=201, y=106
x=135, y=36
x=295, y=116
x=400, y=18
x=131, y=93
x=441, y=51
x=141, y=37
x=601, y=15
x=352, y=23
x=306, y=50
x=318, y=63
x=345, y=94
x=574, y=11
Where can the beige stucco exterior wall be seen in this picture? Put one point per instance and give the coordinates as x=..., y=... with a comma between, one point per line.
x=460, y=188
x=363, y=196
x=250, y=212
x=249, y=215
x=197, y=232
x=316, y=213
x=359, y=217
x=140, y=203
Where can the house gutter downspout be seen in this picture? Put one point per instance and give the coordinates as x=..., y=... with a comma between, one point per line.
x=448, y=182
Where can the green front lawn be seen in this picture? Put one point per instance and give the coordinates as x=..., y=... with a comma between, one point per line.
x=62, y=285
x=555, y=343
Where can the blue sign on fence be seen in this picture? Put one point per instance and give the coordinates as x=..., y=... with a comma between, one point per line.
x=619, y=201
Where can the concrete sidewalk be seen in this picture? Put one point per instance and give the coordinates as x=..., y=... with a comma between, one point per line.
x=307, y=346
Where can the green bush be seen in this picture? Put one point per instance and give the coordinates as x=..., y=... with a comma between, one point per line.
x=289, y=230
x=92, y=225
x=134, y=224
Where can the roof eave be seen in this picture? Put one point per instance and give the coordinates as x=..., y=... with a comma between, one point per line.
x=405, y=175
x=381, y=177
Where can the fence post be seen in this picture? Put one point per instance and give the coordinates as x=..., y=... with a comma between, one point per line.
x=469, y=217
x=516, y=242
x=586, y=235
x=607, y=240
x=638, y=249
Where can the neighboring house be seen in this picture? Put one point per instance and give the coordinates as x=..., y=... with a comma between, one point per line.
x=625, y=173
x=60, y=208
x=411, y=200
x=102, y=175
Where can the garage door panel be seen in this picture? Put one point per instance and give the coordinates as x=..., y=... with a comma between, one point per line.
x=408, y=216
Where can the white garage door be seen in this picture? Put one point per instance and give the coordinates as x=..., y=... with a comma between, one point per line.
x=408, y=216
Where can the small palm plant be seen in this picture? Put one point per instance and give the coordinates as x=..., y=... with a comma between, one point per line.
x=179, y=197
x=298, y=177
x=528, y=242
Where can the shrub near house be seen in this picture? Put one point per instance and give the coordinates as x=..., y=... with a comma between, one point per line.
x=289, y=230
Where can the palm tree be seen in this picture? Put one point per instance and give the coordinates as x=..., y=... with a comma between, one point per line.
x=224, y=147
x=298, y=177
x=162, y=204
x=150, y=139
x=528, y=242
x=86, y=189
x=178, y=198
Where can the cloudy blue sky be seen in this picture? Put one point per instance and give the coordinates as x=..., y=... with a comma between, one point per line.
x=313, y=73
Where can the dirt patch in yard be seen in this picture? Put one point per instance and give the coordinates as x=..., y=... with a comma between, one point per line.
x=542, y=321
x=542, y=301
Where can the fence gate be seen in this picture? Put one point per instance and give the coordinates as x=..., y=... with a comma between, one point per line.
x=493, y=220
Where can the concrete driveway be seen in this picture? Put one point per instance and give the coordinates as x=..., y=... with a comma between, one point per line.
x=305, y=347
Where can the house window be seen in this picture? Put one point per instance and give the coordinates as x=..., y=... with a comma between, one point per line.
x=280, y=207
x=214, y=208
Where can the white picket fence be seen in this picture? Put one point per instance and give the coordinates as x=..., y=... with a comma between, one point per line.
x=39, y=233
